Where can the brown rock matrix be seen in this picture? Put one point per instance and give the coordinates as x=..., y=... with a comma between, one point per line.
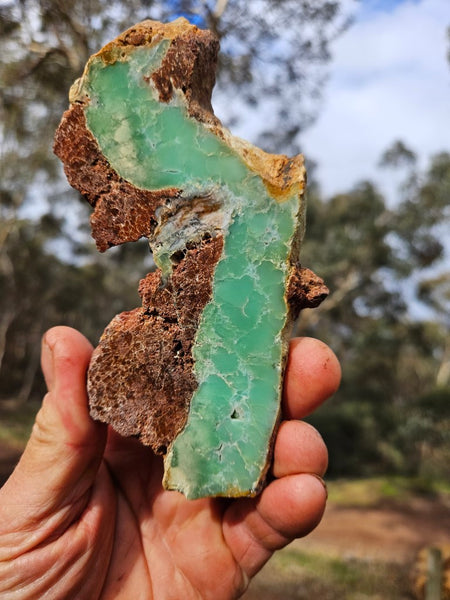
x=147, y=394
x=140, y=379
x=141, y=376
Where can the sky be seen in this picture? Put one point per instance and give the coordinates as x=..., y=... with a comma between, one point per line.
x=389, y=80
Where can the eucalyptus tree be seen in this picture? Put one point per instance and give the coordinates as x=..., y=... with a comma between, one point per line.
x=272, y=65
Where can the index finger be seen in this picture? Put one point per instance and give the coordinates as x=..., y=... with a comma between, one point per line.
x=312, y=375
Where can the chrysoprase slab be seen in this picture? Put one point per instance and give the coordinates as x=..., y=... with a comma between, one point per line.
x=240, y=345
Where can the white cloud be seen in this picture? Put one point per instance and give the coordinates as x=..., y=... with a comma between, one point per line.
x=389, y=80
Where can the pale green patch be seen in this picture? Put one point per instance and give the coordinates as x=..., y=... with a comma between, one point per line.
x=369, y=492
x=238, y=350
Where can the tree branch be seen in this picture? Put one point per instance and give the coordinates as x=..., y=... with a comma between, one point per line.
x=220, y=8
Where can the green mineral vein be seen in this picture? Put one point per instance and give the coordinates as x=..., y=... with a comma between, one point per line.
x=238, y=349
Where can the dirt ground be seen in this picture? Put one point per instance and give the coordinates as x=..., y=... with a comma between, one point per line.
x=392, y=532
x=384, y=540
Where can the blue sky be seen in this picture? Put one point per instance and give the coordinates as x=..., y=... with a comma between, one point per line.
x=369, y=7
x=389, y=79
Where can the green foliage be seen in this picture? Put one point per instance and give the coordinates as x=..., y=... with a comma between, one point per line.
x=44, y=46
x=40, y=290
x=376, y=491
x=16, y=425
x=398, y=155
x=302, y=575
x=391, y=413
x=425, y=207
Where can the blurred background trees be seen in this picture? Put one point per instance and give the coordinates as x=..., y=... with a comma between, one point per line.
x=388, y=313
x=387, y=318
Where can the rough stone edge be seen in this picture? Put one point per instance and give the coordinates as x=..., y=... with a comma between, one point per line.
x=281, y=174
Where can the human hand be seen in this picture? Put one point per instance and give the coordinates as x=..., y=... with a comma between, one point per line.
x=84, y=515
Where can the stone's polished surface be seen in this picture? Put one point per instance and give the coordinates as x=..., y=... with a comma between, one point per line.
x=224, y=187
x=153, y=144
x=238, y=350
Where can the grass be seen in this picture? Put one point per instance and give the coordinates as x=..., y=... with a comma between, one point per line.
x=16, y=423
x=294, y=574
x=297, y=575
x=368, y=492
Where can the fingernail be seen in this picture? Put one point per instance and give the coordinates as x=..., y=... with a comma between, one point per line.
x=47, y=363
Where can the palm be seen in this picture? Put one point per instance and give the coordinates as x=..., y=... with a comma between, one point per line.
x=163, y=542
x=86, y=517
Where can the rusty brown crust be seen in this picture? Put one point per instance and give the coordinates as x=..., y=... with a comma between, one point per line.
x=122, y=212
x=190, y=66
x=141, y=377
x=305, y=290
x=141, y=374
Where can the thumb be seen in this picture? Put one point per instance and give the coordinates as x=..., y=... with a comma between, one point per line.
x=53, y=478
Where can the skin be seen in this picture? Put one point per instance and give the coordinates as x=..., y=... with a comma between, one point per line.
x=84, y=515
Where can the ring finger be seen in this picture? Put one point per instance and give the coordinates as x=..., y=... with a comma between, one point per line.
x=299, y=448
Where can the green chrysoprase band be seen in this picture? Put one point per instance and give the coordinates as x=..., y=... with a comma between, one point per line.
x=239, y=348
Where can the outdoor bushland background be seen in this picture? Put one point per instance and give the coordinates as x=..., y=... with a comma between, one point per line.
x=386, y=262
